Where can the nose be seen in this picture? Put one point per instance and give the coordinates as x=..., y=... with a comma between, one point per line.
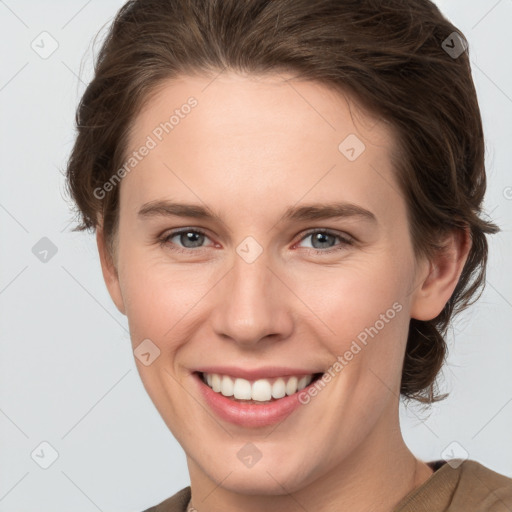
x=252, y=304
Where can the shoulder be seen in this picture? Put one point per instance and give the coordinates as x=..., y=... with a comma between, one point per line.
x=459, y=485
x=176, y=503
x=481, y=489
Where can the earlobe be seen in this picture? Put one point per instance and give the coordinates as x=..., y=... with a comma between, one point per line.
x=110, y=274
x=435, y=290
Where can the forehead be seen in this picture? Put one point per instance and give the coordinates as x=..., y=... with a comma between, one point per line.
x=229, y=101
x=269, y=138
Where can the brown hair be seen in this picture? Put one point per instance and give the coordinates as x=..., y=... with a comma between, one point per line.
x=396, y=58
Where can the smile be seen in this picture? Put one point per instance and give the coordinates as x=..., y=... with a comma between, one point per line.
x=255, y=401
x=261, y=390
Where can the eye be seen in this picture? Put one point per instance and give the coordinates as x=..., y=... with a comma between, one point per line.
x=189, y=239
x=185, y=239
x=324, y=241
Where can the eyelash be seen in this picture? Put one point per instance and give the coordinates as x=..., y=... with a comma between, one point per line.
x=345, y=240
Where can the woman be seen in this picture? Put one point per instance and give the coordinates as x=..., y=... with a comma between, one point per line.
x=287, y=201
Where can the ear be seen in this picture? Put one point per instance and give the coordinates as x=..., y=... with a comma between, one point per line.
x=110, y=274
x=436, y=288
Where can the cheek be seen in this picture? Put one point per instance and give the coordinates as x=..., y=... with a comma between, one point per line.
x=162, y=303
x=361, y=310
x=160, y=298
x=353, y=296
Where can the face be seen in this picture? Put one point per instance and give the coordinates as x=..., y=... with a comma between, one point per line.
x=263, y=243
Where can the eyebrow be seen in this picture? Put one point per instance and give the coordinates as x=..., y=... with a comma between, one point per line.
x=317, y=211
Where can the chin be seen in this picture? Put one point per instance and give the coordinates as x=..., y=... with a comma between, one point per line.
x=259, y=483
x=272, y=478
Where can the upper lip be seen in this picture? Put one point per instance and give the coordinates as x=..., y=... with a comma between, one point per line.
x=267, y=372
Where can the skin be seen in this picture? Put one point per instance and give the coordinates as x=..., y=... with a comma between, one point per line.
x=254, y=146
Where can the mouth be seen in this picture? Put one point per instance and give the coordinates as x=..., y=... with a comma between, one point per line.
x=259, y=391
x=257, y=397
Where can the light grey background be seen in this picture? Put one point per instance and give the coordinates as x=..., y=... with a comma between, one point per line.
x=67, y=374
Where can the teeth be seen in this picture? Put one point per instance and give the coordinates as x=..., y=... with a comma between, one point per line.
x=242, y=389
x=291, y=385
x=261, y=390
x=227, y=386
x=303, y=382
x=216, y=383
x=279, y=388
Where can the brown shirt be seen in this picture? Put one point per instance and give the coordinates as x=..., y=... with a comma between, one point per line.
x=469, y=487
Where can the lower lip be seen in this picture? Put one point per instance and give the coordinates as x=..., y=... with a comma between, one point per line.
x=249, y=415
